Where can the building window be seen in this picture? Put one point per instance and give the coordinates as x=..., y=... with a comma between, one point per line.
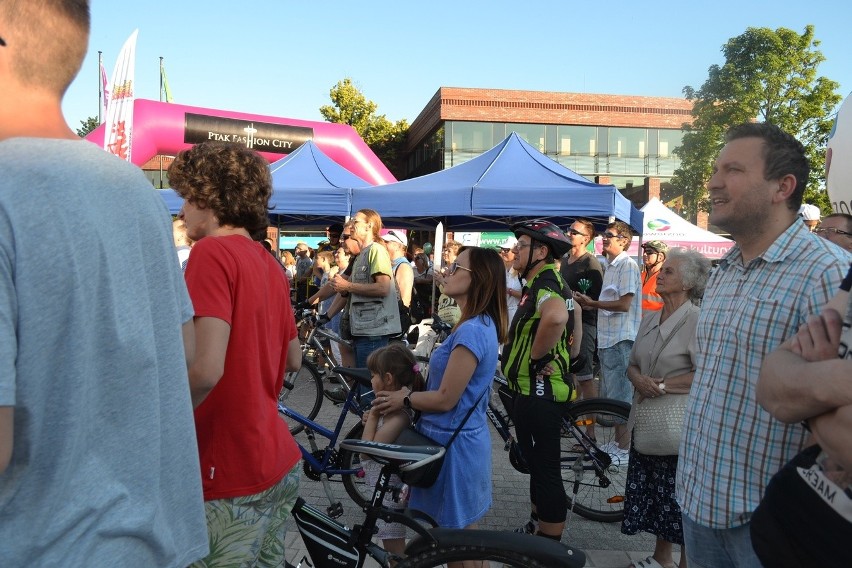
x=577, y=149
x=467, y=140
x=532, y=134
x=628, y=149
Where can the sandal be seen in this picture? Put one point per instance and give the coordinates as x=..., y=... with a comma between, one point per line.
x=651, y=562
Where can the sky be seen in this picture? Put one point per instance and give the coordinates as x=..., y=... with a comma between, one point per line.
x=280, y=57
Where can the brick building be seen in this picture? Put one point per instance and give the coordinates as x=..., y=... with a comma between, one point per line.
x=619, y=139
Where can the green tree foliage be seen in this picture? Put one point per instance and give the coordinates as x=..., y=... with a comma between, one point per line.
x=768, y=76
x=87, y=126
x=385, y=138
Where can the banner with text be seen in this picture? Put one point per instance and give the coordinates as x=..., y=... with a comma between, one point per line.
x=260, y=136
x=119, y=116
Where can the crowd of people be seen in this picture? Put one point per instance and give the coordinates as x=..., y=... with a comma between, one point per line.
x=139, y=375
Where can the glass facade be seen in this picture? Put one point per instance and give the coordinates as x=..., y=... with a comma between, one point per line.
x=622, y=153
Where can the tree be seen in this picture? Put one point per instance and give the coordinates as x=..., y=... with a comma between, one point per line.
x=87, y=126
x=385, y=138
x=769, y=76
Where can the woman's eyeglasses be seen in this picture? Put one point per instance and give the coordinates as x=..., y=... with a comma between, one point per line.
x=451, y=269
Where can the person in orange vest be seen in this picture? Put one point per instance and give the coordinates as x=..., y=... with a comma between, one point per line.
x=653, y=255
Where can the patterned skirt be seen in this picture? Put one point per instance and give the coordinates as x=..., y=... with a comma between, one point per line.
x=650, y=504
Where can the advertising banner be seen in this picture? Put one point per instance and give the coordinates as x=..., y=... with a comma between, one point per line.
x=119, y=117
x=260, y=136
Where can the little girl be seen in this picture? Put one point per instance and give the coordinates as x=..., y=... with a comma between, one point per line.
x=391, y=368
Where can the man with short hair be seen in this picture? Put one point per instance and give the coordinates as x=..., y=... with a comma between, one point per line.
x=762, y=291
x=837, y=228
x=583, y=272
x=653, y=256
x=332, y=242
x=304, y=268
x=619, y=315
x=98, y=460
x=245, y=343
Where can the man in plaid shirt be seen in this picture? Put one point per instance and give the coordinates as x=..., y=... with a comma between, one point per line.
x=761, y=292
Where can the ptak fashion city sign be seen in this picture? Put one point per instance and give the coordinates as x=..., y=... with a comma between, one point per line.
x=260, y=136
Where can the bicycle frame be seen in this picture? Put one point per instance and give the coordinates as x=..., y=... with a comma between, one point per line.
x=326, y=466
x=330, y=544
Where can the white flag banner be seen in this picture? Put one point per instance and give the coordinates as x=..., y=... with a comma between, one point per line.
x=119, y=116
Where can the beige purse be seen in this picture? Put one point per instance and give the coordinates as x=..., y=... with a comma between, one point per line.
x=658, y=422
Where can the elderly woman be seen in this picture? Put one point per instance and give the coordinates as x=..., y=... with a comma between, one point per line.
x=662, y=364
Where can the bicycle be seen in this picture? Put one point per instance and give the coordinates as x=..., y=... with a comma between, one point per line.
x=330, y=544
x=595, y=481
x=303, y=390
x=322, y=464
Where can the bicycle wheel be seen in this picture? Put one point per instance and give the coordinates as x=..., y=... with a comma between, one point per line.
x=302, y=393
x=599, y=478
x=355, y=484
x=442, y=556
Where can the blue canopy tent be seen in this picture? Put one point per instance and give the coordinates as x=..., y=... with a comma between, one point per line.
x=309, y=190
x=511, y=182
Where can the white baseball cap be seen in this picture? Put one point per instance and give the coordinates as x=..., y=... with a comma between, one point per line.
x=809, y=212
x=396, y=236
x=509, y=243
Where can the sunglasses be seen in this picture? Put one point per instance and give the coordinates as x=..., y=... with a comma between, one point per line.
x=821, y=230
x=452, y=268
x=344, y=237
x=573, y=232
x=611, y=236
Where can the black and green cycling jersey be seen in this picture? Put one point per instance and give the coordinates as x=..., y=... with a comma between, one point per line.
x=515, y=361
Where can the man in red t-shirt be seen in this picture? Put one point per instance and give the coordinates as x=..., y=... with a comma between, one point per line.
x=245, y=343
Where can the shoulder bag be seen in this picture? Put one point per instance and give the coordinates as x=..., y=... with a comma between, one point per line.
x=658, y=422
x=426, y=475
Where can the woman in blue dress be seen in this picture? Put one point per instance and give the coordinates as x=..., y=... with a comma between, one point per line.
x=460, y=371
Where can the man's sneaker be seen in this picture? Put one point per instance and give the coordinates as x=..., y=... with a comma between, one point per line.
x=529, y=528
x=336, y=395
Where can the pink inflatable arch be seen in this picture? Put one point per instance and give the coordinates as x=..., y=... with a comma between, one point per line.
x=167, y=128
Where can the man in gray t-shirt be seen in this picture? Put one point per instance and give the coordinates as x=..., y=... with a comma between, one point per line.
x=98, y=458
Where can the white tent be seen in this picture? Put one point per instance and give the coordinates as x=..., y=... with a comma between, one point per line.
x=663, y=224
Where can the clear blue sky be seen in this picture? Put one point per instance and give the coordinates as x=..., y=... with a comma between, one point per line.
x=281, y=57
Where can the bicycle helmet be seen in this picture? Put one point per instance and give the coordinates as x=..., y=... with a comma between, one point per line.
x=543, y=232
x=546, y=233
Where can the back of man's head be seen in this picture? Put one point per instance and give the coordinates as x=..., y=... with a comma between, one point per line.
x=46, y=41
x=782, y=155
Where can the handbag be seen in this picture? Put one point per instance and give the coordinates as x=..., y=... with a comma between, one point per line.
x=426, y=475
x=405, y=322
x=658, y=422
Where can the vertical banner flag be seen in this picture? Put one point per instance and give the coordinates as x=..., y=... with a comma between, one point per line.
x=119, y=122
x=165, y=82
x=104, y=87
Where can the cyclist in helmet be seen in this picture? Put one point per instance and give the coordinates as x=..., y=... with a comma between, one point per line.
x=536, y=362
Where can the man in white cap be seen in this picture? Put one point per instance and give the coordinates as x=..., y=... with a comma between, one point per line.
x=810, y=215
x=513, y=282
x=403, y=274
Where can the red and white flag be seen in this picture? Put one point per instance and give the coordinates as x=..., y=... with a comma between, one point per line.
x=119, y=121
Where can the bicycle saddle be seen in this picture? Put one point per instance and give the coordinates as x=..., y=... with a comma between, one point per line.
x=407, y=458
x=361, y=375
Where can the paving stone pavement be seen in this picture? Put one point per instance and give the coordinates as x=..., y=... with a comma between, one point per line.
x=604, y=544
